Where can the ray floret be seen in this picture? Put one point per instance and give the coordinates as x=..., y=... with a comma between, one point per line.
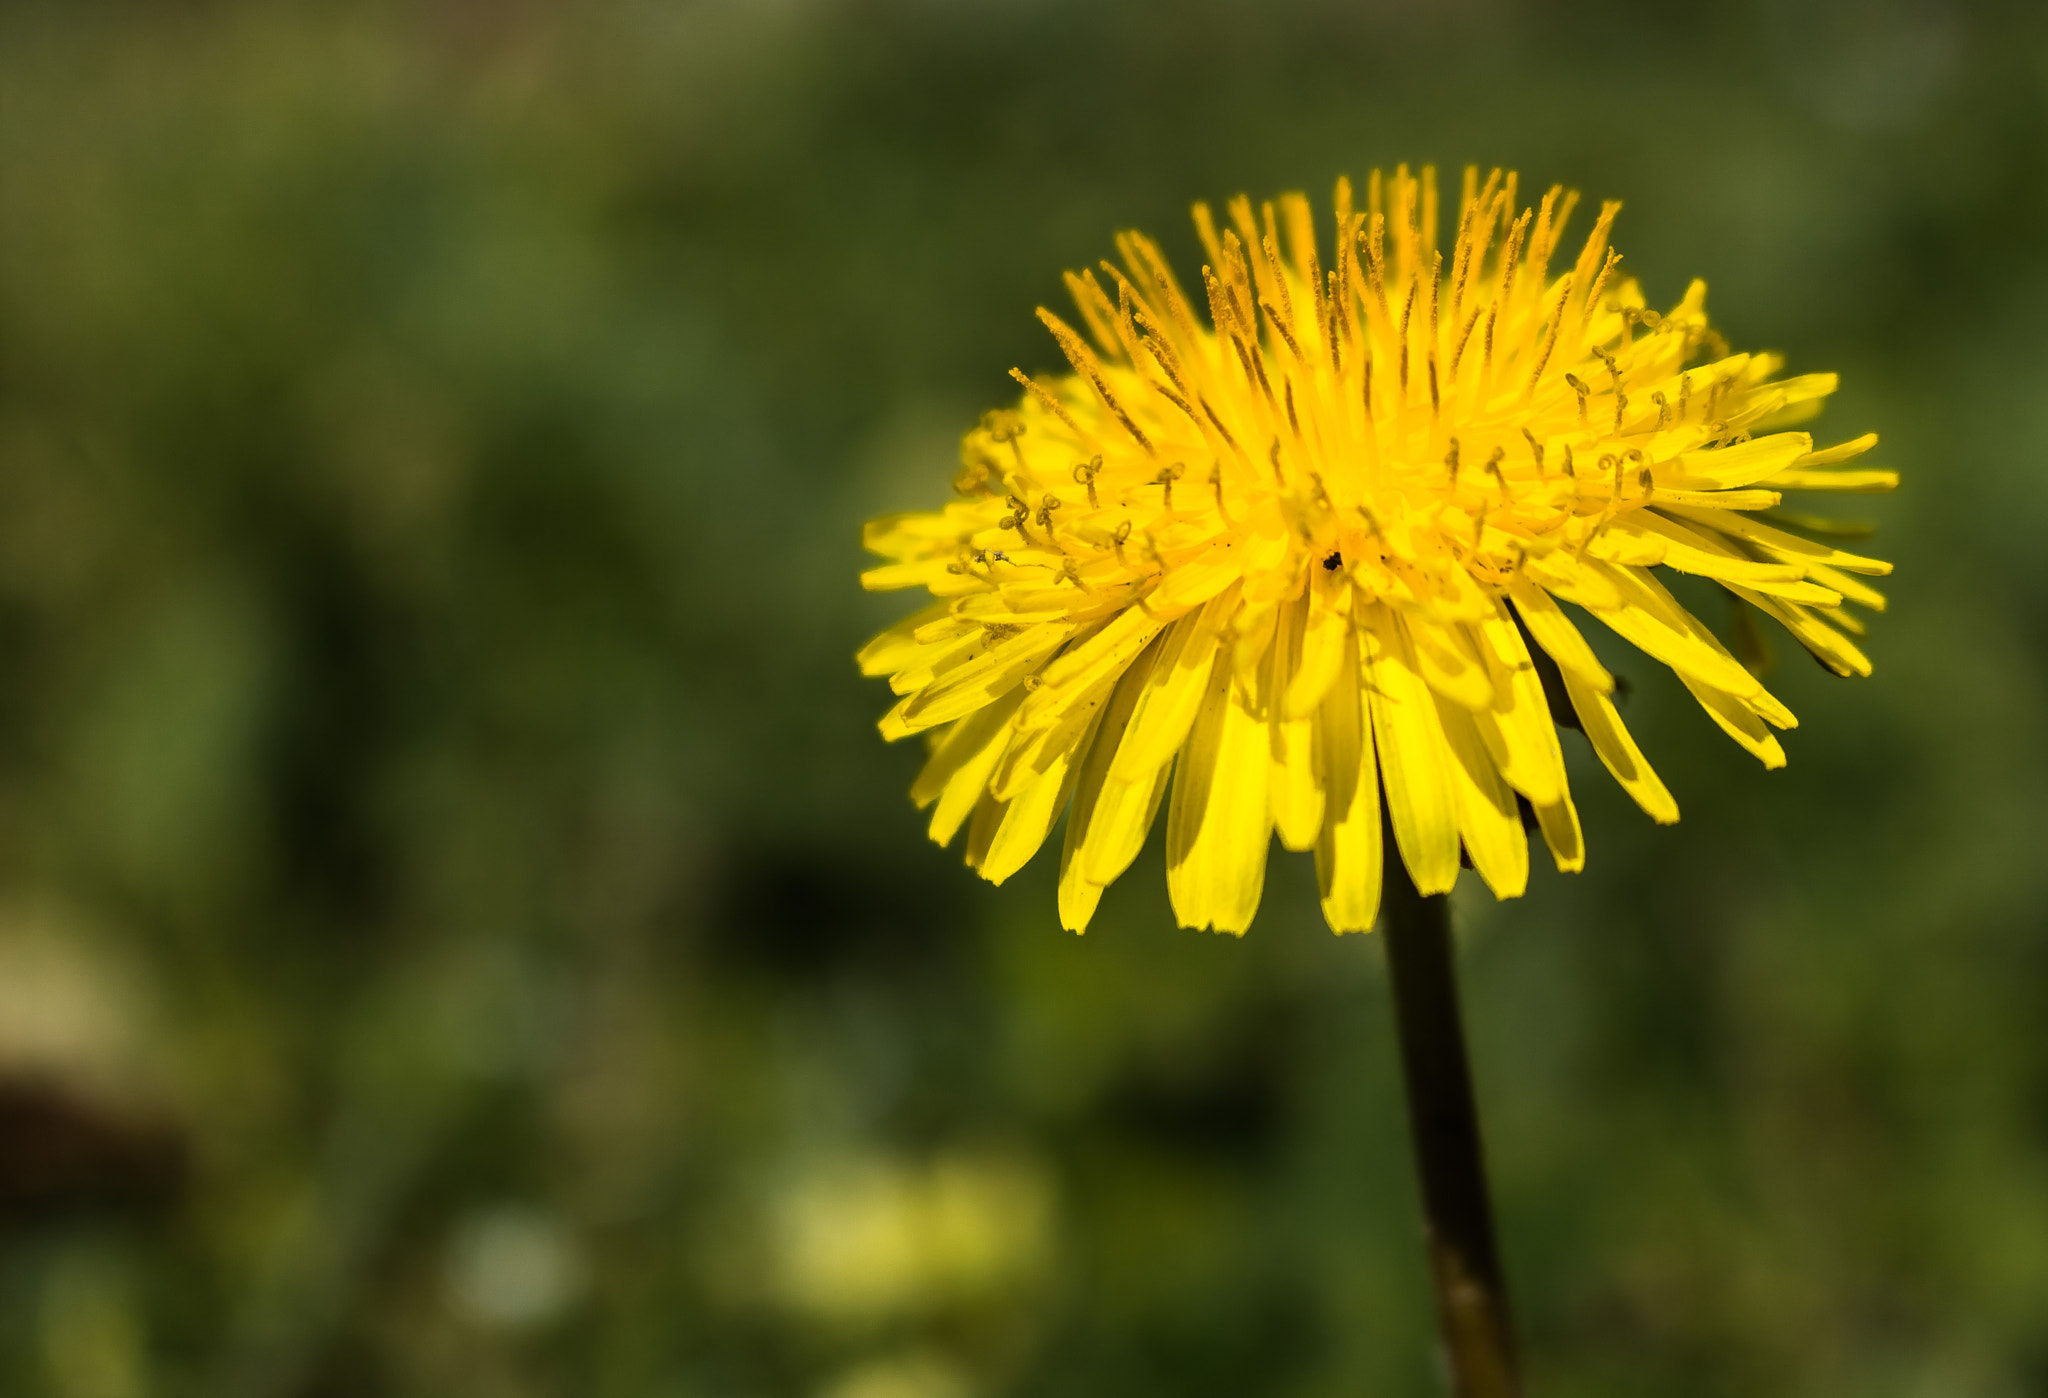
x=1299, y=540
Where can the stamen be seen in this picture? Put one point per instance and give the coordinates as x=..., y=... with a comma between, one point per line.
x=1451, y=460
x=1217, y=423
x=1051, y=403
x=1663, y=410
x=1458, y=352
x=1607, y=213
x=1578, y=386
x=1166, y=477
x=1085, y=473
x=1510, y=266
x=1096, y=312
x=1331, y=321
x=1564, y=292
x=1407, y=313
x=1536, y=447
x=1016, y=521
x=1273, y=317
x=1079, y=355
x=1270, y=245
x=1258, y=362
x=1436, y=271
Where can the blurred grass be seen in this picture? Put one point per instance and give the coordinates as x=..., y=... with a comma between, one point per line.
x=459, y=920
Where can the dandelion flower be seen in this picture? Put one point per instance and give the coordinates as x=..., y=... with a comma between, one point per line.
x=1311, y=550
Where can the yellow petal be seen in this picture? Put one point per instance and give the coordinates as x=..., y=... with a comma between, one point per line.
x=1864, y=482
x=1725, y=468
x=1516, y=727
x=966, y=687
x=1322, y=646
x=1643, y=624
x=893, y=577
x=1412, y=754
x=1027, y=820
x=1295, y=788
x=1488, y=819
x=1123, y=817
x=1738, y=721
x=936, y=658
x=1710, y=556
x=919, y=533
x=981, y=828
x=1078, y=901
x=1563, y=574
x=1754, y=498
x=1854, y=589
x=900, y=646
x=1034, y=752
x=1828, y=645
x=1760, y=702
x=1618, y=750
x=1560, y=639
x=1101, y=657
x=1105, y=819
x=1835, y=455
x=1449, y=662
x=1172, y=694
x=1690, y=551
x=1217, y=827
x=1189, y=585
x=1779, y=544
x=1349, y=859
x=1560, y=826
x=957, y=774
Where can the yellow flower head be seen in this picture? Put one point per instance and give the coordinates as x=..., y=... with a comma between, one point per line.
x=1314, y=550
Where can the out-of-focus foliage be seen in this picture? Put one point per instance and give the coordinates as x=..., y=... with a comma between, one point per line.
x=459, y=932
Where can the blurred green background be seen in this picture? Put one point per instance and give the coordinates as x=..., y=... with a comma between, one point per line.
x=460, y=932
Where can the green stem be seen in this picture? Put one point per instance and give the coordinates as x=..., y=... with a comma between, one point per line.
x=1464, y=1261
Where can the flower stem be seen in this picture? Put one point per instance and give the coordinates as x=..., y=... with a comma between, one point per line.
x=1464, y=1262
